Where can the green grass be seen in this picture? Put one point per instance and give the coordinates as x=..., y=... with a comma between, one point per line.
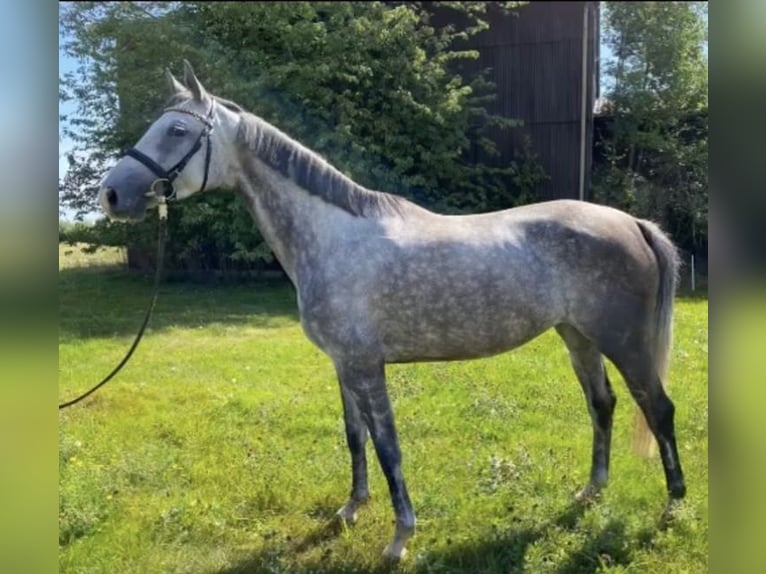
x=220, y=447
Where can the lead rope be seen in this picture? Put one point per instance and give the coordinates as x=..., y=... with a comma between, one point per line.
x=162, y=235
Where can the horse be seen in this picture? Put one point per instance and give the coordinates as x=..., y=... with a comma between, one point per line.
x=381, y=280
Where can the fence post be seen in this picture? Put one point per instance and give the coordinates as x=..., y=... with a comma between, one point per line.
x=693, y=282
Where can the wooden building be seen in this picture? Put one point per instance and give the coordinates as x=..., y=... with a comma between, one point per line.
x=544, y=63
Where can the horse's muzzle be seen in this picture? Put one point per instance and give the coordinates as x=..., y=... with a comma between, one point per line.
x=123, y=192
x=123, y=207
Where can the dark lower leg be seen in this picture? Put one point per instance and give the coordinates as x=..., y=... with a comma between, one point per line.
x=588, y=365
x=659, y=412
x=387, y=448
x=366, y=387
x=356, y=437
x=602, y=405
x=380, y=420
x=664, y=432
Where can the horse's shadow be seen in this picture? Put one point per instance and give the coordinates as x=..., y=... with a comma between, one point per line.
x=500, y=551
x=98, y=302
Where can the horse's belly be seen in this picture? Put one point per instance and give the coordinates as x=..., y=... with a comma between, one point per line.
x=453, y=336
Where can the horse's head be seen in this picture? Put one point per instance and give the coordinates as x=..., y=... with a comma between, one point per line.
x=184, y=151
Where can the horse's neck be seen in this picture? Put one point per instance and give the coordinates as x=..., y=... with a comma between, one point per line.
x=296, y=224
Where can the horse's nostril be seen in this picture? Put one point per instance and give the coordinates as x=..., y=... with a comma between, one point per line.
x=111, y=197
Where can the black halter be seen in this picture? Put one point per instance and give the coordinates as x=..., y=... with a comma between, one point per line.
x=167, y=177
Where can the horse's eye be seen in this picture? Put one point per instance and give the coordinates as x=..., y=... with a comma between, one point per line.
x=177, y=130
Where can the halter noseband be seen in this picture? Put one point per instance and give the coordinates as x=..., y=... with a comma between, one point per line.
x=168, y=176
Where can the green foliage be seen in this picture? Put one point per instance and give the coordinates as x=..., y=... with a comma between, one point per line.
x=100, y=233
x=657, y=151
x=369, y=85
x=528, y=173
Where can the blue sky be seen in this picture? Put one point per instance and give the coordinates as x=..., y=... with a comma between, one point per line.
x=66, y=64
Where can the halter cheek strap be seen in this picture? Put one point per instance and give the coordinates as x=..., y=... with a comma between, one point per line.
x=168, y=176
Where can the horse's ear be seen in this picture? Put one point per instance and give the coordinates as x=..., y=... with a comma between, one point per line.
x=174, y=85
x=194, y=84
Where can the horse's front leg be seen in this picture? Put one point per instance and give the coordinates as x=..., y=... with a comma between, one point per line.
x=356, y=437
x=365, y=385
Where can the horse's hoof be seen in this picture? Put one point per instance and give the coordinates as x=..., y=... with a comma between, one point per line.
x=394, y=553
x=669, y=513
x=396, y=549
x=346, y=516
x=588, y=495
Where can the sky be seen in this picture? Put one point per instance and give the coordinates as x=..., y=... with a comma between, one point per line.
x=66, y=64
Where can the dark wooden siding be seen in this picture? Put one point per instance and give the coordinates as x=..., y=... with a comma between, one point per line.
x=535, y=57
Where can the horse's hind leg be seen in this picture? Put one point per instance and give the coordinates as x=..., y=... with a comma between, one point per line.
x=645, y=386
x=588, y=365
x=356, y=437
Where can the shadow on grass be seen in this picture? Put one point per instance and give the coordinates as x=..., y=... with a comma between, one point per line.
x=500, y=551
x=105, y=302
x=689, y=295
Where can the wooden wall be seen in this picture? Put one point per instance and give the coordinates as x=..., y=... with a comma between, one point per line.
x=535, y=58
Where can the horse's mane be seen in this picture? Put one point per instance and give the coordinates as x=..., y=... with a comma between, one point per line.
x=304, y=167
x=312, y=172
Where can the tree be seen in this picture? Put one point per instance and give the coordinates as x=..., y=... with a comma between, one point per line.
x=369, y=85
x=657, y=150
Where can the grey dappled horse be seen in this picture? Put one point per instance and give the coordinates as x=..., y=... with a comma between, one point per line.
x=380, y=280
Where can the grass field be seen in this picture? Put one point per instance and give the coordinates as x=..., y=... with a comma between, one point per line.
x=220, y=447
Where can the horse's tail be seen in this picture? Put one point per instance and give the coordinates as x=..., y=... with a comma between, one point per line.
x=662, y=335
